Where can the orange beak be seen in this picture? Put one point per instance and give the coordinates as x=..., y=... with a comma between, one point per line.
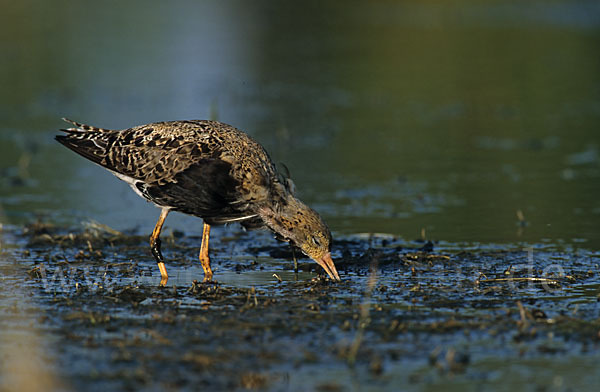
x=329, y=267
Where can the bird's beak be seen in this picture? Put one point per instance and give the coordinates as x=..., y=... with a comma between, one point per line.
x=328, y=266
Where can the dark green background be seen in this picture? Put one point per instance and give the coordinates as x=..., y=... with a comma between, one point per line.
x=392, y=116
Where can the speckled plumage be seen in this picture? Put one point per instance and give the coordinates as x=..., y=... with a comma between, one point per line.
x=207, y=169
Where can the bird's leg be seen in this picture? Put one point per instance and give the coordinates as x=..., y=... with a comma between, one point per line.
x=295, y=261
x=204, y=259
x=155, y=246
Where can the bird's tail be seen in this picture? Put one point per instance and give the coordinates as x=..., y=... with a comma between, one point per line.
x=90, y=142
x=83, y=127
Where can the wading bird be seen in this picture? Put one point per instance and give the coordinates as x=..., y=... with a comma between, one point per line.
x=206, y=169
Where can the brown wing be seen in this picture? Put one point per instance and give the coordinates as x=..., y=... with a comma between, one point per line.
x=173, y=164
x=206, y=189
x=153, y=152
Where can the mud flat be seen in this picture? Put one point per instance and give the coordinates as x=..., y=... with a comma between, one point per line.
x=408, y=315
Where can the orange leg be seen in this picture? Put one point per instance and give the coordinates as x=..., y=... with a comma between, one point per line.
x=204, y=259
x=155, y=246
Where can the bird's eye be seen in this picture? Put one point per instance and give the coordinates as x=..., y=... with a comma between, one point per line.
x=315, y=241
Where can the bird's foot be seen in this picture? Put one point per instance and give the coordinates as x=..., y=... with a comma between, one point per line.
x=209, y=280
x=163, y=281
x=164, y=277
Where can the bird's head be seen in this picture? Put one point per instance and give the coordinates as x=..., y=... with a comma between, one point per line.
x=302, y=226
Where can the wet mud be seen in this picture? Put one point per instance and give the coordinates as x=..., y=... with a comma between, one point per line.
x=407, y=314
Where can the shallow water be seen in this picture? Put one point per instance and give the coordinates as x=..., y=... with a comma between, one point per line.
x=480, y=318
x=391, y=117
x=472, y=125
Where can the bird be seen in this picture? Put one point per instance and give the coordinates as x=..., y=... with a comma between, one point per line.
x=206, y=169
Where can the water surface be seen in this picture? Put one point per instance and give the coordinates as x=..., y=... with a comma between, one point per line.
x=391, y=117
x=474, y=125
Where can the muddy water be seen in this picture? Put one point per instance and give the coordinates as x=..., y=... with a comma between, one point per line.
x=413, y=315
x=391, y=117
x=473, y=126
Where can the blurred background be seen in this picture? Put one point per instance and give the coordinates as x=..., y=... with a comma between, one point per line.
x=471, y=121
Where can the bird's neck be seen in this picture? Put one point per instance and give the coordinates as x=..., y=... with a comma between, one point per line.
x=278, y=217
